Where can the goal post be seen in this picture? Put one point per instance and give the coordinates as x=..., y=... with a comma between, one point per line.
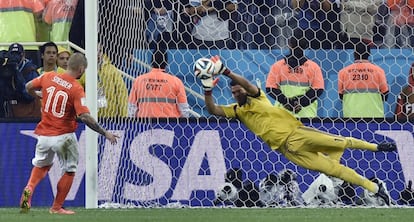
x=91, y=51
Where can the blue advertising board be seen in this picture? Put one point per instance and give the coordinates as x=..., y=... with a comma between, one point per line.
x=185, y=161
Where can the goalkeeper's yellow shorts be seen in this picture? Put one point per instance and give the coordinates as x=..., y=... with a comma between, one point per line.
x=314, y=149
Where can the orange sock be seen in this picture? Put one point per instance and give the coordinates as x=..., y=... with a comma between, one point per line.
x=63, y=187
x=38, y=173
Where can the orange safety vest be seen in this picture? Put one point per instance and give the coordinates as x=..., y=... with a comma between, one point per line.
x=362, y=85
x=157, y=94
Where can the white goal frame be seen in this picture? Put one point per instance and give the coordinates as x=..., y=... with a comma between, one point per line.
x=91, y=39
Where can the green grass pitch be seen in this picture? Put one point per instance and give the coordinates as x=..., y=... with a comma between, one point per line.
x=215, y=215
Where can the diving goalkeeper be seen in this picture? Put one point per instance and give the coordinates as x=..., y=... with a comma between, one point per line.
x=281, y=131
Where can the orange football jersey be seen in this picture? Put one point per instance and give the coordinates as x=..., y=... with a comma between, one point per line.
x=63, y=99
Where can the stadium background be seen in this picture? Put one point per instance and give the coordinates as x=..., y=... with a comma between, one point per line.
x=255, y=65
x=239, y=147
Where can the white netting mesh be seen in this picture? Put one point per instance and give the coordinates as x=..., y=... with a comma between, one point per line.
x=169, y=162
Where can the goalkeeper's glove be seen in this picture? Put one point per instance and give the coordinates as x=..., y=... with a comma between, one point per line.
x=219, y=67
x=209, y=83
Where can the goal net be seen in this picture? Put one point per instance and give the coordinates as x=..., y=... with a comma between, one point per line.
x=170, y=162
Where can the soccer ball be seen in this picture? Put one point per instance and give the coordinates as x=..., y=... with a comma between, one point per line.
x=203, y=68
x=227, y=192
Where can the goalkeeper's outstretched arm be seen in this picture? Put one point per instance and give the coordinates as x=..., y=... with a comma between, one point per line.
x=243, y=82
x=209, y=84
x=212, y=108
x=220, y=68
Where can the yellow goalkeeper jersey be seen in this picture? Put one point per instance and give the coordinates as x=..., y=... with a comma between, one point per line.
x=272, y=124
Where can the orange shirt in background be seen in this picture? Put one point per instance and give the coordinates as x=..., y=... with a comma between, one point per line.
x=17, y=21
x=362, y=76
x=362, y=85
x=157, y=94
x=58, y=11
x=309, y=74
x=296, y=82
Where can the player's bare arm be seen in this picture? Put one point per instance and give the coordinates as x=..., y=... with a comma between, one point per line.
x=31, y=89
x=91, y=123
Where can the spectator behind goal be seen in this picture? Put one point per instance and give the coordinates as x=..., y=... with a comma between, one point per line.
x=295, y=81
x=63, y=57
x=158, y=94
x=405, y=102
x=358, y=21
x=362, y=86
x=59, y=15
x=315, y=24
x=402, y=25
x=25, y=106
x=112, y=91
x=48, y=53
x=211, y=23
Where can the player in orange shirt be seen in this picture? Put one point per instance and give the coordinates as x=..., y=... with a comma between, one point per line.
x=158, y=94
x=63, y=101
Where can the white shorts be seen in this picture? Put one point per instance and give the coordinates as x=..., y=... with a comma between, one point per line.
x=66, y=148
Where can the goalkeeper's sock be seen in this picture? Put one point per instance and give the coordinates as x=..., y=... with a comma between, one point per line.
x=351, y=176
x=370, y=186
x=63, y=187
x=360, y=144
x=37, y=174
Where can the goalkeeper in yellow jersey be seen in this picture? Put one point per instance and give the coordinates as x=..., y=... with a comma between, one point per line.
x=281, y=131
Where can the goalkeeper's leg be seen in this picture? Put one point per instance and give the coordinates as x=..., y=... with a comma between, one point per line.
x=324, y=164
x=321, y=163
x=313, y=140
x=347, y=174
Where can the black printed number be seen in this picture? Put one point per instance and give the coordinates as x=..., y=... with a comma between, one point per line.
x=152, y=86
x=360, y=77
